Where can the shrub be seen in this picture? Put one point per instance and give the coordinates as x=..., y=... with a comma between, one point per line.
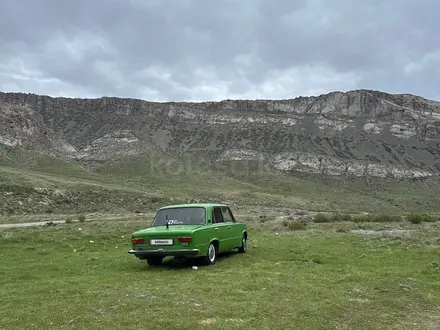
x=295, y=225
x=321, y=218
x=419, y=218
x=386, y=218
x=82, y=218
x=377, y=218
x=337, y=217
x=298, y=225
x=429, y=218
x=362, y=218
x=263, y=218
x=154, y=199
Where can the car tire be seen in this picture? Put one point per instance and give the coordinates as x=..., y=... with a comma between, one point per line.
x=211, y=256
x=243, y=247
x=154, y=261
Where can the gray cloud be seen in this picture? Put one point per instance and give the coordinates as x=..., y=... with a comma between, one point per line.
x=211, y=50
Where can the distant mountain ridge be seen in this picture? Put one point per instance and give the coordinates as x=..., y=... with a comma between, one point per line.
x=355, y=133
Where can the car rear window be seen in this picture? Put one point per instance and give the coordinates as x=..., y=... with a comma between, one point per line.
x=180, y=216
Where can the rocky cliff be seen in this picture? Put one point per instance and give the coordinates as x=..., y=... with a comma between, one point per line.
x=360, y=133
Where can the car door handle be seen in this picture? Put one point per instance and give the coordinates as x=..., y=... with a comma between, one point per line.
x=216, y=229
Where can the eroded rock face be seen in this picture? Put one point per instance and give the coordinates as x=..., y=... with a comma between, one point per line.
x=21, y=126
x=121, y=143
x=360, y=133
x=334, y=166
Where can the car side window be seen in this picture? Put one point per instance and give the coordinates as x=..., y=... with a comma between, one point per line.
x=227, y=215
x=217, y=215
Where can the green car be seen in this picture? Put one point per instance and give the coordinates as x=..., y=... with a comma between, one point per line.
x=190, y=231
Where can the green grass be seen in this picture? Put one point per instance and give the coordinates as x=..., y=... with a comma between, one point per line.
x=317, y=278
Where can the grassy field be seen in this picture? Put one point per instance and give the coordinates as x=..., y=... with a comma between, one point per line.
x=80, y=276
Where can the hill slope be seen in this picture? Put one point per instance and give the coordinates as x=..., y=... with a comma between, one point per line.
x=355, y=133
x=358, y=151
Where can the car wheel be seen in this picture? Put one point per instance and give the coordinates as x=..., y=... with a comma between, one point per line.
x=154, y=261
x=211, y=256
x=243, y=247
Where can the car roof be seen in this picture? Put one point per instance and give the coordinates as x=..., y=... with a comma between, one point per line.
x=204, y=205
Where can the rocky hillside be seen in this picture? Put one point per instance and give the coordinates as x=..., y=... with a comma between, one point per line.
x=358, y=133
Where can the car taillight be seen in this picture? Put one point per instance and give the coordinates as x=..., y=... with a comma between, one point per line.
x=185, y=239
x=137, y=240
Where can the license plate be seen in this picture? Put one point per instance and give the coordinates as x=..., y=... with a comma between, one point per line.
x=161, y=242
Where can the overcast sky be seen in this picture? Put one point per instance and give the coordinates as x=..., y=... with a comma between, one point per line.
x=198, y=50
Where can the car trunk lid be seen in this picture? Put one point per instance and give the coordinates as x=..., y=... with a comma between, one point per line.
x=162, y=231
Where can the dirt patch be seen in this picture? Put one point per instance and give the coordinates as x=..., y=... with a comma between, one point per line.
x=381, y=233
x=208, y=321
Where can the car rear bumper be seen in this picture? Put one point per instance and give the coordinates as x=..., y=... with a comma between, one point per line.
x=162, y=252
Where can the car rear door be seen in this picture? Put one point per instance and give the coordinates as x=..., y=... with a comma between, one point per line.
x=220, y=228
x=233, y=233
